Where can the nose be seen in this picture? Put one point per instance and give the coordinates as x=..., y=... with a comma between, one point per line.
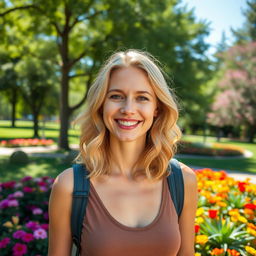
x=128, y=107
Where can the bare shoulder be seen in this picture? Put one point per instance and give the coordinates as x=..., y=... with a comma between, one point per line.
x=188, y=175
x=64, y=181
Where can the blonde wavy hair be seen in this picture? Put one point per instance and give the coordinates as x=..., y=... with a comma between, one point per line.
x=161, y=138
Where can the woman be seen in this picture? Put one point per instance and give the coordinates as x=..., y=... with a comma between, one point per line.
x=128, y=136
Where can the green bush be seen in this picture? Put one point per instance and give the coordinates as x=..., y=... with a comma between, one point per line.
x=19, y=157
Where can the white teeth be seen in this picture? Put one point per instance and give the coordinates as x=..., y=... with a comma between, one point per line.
x=127, y=123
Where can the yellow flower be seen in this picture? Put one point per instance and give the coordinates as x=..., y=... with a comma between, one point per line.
x=8, y=224
x=199, y=220
x=201, y=239
x=197, y=254
x=199, y=211
x=234, y=212
x=242, y=219
x=251, y=231
x=250, y=250
x=15, y=220
x=234, y=218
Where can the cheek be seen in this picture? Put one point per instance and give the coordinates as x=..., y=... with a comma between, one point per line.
x=108, y=112
x=149, y=112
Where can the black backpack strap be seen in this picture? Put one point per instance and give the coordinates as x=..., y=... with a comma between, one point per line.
x=80, y=199
x=176, y=185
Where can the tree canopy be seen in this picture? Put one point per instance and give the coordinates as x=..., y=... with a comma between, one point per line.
x=83, y=33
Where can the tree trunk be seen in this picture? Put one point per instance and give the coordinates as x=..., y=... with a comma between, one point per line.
x=36, y=128
x=13, y=103
x=251, y=133
x=64, y=111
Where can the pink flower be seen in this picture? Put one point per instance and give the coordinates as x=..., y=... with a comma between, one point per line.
x=13, y=203
x=19, y=249
x=18, y=234
x=32, y=225
x=27, y=237
x=40, y=234
x=18, y=194
x=4, y=242
x=37, y=211
x=28, y=189
x=4, y=203
x=43, y=189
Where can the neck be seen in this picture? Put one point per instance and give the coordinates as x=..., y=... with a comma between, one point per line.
x=124, y=156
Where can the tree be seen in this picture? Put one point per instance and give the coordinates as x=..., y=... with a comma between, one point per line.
x=86, y=31
x=235, y=105
x=35, y=83
x=248, y=30
x=8, y=81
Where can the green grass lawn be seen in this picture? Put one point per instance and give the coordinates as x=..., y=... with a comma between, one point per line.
x=243, y=165
x=37, y=167
x=24, y=129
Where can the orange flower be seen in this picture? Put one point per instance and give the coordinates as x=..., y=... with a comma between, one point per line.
x=217, y=251
x=233, y=252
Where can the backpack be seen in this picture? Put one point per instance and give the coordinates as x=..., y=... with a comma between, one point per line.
x=81, y=194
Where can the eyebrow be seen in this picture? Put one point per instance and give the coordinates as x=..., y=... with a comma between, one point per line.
x=138, y=92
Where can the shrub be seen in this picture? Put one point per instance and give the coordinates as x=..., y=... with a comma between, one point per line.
x=19, y=157
x=209, y=149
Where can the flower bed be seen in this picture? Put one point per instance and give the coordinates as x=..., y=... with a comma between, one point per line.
x=225, y=219
x=224, y=225
x=26, y=142
x=209, y=149
x=24, y=216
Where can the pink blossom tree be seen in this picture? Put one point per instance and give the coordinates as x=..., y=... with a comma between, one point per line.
x=235, y=104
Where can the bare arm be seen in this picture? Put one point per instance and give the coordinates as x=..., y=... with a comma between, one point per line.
x=60, y=203
x=187, y=218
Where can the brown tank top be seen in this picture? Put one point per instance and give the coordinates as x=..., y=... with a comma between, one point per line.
x=102, y=235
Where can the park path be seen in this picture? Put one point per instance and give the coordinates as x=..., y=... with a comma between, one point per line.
x=47, y=151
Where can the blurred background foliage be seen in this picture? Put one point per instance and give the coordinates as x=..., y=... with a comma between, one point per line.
x=50, y=52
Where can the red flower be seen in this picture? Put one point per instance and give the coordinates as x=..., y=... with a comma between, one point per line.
x=28, y=189
x=250, y=206
x=197, y=228
x=27, y=237
x=213, y=213
x=19, y=249
x=9, y=184
x=241, y=186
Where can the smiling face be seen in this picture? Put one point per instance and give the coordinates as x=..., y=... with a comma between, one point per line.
x=130, y=105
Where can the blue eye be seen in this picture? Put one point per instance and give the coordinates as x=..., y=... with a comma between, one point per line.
x=115, y=96
x=143, y=98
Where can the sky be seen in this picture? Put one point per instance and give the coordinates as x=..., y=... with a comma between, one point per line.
x=222, y=15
